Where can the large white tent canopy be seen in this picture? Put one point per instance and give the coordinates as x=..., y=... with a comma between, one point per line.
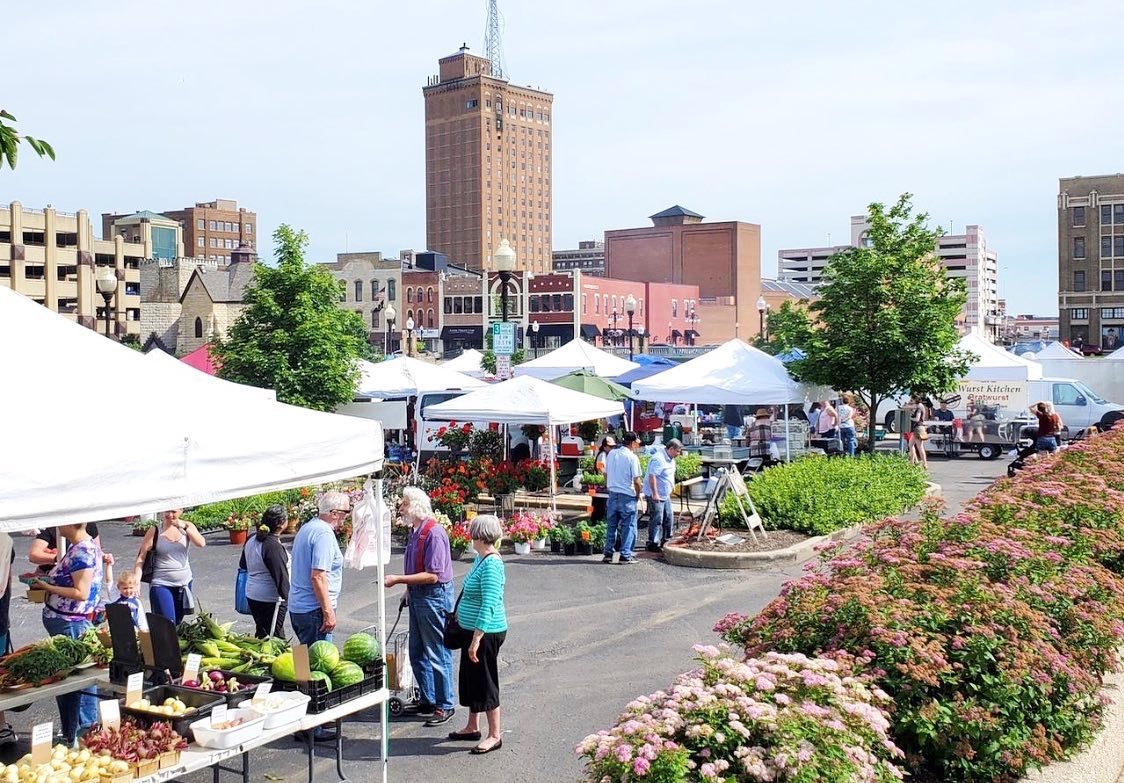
x=525, y=400
x=468, y=363
x=404, y=376
x=575, y=355
x=995, y=364
x=95, y=430
x=197, y=379
x=1056, y=350
x=734, y=373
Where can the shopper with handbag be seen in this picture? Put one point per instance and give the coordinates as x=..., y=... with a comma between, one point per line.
x=162, y=561
x=266, y=564
x=482, y=622
x=428, y=567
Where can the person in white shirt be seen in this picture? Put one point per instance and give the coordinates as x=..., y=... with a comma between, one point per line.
x=658, y=483
x=622, y=480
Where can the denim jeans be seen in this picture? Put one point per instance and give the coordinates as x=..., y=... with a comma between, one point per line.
x=661, y=520
x=431, y=660
x=850, y=440
x=306, y=625
x=76, y=710
x=1048, y=443
x=168, y=601
x=621, y=517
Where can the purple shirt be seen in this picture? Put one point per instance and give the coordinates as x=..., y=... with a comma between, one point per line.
x=436, y=558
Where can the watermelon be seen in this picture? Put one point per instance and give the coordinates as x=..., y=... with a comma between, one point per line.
x=361, y=648
x=323, y=656
x=283, y=668
x=323, y=678
x=346, y=673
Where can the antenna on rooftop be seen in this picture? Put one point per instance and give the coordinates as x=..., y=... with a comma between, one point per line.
x=493, y=43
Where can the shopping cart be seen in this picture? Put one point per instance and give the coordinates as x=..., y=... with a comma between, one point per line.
x=404, y=698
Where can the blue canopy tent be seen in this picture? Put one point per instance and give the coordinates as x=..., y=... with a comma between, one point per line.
x=645, y=371
x=647, y=359
x=791, y=356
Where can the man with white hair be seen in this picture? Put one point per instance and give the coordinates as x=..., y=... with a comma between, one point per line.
x=429, y=591
x=317, y=571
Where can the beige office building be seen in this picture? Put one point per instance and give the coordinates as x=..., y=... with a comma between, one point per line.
x=487, y=165
x=54, y=258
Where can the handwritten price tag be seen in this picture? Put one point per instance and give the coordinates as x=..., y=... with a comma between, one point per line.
x=191, y=668
x=134, y=686
x=110, y=711
x=218, y=714
x=261, y=693
x=41, y=735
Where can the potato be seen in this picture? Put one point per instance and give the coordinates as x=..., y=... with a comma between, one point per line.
x=117, y=766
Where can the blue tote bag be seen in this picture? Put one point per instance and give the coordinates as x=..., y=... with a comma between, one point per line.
x=241, y=603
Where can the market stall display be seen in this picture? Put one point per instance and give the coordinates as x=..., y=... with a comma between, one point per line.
x=226, y=651
x=49, y=660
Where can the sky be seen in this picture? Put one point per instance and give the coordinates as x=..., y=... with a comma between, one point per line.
x=793, y=116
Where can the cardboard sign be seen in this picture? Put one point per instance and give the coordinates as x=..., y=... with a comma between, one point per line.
x=41, y=736
x=300, y=662
x=110, y=712
x=218, y=714
x=191, y=668
x=134, y=686
x=261, y=693
x=146, y=648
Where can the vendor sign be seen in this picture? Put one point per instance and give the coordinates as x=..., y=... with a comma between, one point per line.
x=1003, y=397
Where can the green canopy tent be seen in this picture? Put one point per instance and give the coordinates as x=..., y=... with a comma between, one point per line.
x=588, y=383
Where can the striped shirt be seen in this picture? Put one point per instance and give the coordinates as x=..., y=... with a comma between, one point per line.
x=481, y=606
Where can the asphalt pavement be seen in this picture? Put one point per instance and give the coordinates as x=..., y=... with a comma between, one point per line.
x=584, y=640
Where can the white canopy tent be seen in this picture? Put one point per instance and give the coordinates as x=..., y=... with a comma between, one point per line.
x=1056, y=350
x=98, y=431
x=575, y=355
x=467, y=363
x=995, y=364
x=734, y=373
x=404, y=376
x=197, y=379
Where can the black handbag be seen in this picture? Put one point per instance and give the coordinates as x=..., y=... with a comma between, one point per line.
x=455, y=637
x=148, y=567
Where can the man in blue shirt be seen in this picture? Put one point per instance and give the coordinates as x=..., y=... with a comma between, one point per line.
x=658, y=483
x=622, y=480
x=317, y=571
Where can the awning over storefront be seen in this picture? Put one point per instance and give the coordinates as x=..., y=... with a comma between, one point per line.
x=691, y=334
x=565, y=331
x=590, y=331
x=675, y=333
x=464, y=333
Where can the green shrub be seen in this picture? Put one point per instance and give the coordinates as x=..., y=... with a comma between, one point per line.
x=817, y=495
x=214, y=515
x=688, y=465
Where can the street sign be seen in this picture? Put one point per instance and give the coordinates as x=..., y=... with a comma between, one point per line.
x=503, y=367
x=503, y=338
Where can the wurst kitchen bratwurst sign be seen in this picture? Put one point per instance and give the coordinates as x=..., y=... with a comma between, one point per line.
x=1010, y=397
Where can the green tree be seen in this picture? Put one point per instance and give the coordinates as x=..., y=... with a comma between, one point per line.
x=886, y=316
x=293, y=336
x=10, y=142
x=787, y=328
x=488, y=358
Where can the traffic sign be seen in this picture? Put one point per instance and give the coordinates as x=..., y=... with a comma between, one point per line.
x=503, y=367
x=503, y=338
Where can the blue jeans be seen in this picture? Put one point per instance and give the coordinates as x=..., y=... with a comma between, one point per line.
x=1048, y=443
x=168, y=601
x=76, y=710
x=431, y=660
x=733, y=431
x=306, y=625
x=621, y=516
x=850, y=440
x=661, y=520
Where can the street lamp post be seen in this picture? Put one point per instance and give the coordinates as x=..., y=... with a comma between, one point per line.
x=535, y=337
x=107, y=287
x=390, y=315
x=504, y=260
x=762, y=308
x=630, y=308
x=409, y=336
x=670, y=337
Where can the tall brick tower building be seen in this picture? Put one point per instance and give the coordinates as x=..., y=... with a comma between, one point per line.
x=487, y=165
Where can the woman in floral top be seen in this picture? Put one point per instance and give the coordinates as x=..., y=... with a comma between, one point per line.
x=72, y=599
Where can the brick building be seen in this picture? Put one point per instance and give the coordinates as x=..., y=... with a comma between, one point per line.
x=723, y=260
x=665, y=312
x=588, y=258
x=211, y=230
x=368, y=284
x=487, y=165
x=1091, y=260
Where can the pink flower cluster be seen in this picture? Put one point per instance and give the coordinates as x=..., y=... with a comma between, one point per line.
x=524, y=526
x=763, y=719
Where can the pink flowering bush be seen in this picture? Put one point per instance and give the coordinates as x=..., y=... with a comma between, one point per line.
x=776, y=718
x=522, y=528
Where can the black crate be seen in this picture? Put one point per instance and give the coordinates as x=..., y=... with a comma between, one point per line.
x=232, y=699
x=200, y=700
x=322, y=699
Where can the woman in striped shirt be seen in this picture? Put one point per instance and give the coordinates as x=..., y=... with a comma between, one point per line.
x=480, y=610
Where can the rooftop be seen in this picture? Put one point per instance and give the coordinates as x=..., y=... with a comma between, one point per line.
x=798, y=290
x=676, y=211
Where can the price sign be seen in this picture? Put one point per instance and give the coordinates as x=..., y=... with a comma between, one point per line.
x=146, y=648
x=134, y=686
x=191, y=668
x=261, y=693
x=300, y=663
x=503, y=338
x=503, y=367
x=110, y=712
x=41, y=735
x=218, y=714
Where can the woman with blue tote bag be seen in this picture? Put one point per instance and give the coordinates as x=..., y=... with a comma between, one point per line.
x=265, y=586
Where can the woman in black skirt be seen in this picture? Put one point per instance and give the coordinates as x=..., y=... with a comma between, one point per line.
x=480, y=611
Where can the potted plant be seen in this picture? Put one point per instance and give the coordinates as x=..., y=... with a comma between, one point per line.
x=141, y=526
x=545, y=526
x=584, y=538
x=687, y=466
x=568, y=539
x=459, y=539
x=522, y=530
x=589, y=430
x=593, y=482
x=239, y=528
x=597, y=536
x=556, y=535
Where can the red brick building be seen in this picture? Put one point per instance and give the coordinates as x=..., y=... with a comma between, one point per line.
x=665, y=313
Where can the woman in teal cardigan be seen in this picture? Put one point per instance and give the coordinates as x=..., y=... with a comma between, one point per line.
x=480, y=610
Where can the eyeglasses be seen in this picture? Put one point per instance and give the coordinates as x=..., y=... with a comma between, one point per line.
x=340, y=511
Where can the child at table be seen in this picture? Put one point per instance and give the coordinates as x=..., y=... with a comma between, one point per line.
x=128, y=592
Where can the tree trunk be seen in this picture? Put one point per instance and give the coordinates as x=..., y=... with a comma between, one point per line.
x=872, y=423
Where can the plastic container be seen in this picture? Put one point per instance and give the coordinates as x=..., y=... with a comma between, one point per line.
x=200, y=702
x=234, y=699
x=221, y=739
x=323, y=699
x=297, y=707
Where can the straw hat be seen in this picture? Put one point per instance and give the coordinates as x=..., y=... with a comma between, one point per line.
x=763, y=413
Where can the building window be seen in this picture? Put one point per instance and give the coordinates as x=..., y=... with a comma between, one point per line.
x=478, y=304
x=1106, y=280
x=198, y=327
x=1119, y=277
x=534, y=303
x=1079, y=314
x=458, y=305
x=249, y=228
x=674, y=308
x=374, y=290
x=429, y=296
x=409, y=295
x=585, y=308
x=641, y=307
x=1078, y=283
x=200, y=242
x=568, y=302
x=1118, y=246
x=199, y=224
x=358, y=290
x=374, y=319
x=392, y=289
x=1112, y=313
x=211, y=224
x=1078, y=217
x=1106, y=214
x=545, y=303
x=1079, y=247
x=556, y=302
x=471, y=104
x=596, y=305
x=1106, y=247
x=229, y=226
x=429, y=317
x=1118, y=213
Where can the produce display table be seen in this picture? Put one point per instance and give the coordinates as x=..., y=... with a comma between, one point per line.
x=75, y=682
x=196, y=758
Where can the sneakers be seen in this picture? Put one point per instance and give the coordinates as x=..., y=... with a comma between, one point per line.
x=441, y=716
x=606, y=560
x=653, y=547
x=426, y=710
x=8, y=735
x=628, y=561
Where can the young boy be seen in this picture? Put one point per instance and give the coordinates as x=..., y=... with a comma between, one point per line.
x=128, y=593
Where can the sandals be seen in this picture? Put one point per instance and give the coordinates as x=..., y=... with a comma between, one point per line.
x=465, y=736
x=478, y=751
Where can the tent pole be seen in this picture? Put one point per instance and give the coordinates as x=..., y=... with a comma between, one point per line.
x=787, y=441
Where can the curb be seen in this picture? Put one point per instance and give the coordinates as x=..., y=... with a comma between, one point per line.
x=797, y=553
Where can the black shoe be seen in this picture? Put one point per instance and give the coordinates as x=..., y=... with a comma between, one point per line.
x=652, y=547
x=426, y=710
x=606, y=560
x=627, y=561
x=441, y=716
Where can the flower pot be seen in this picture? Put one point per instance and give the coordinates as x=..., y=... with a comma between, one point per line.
x=540, y=543
x=292, y=525
x=238, y=536
x=139, y=531
x=457, y=552
x=584, y=548
x=556, y=546
x=522, y=547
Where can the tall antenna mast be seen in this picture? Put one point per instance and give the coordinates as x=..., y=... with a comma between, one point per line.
x=493, y=43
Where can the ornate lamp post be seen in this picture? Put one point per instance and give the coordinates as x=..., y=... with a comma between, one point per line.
x=504, y=261
x=107, y=287
x=535, y=337
x=762, y=307
x=409, y=336
x=670, y=336
x=391, y=313
x=630, y=309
